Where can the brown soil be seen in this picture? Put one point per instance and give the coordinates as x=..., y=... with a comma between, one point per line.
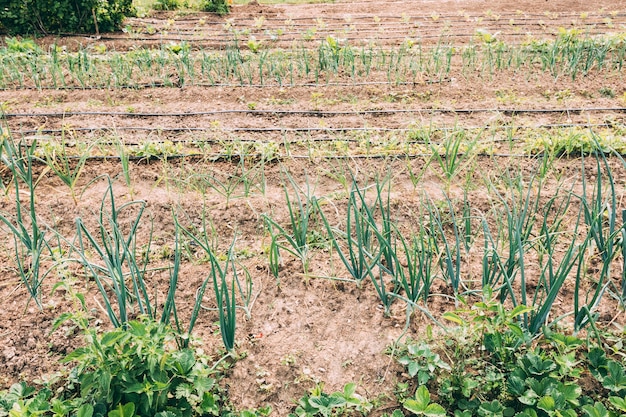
x=309, y=327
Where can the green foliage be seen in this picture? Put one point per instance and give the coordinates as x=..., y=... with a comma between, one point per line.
x=421, y=362
x=63, y=16
x=143, y=366
x=498, y=328
x=138, y=371
x=339, y=403
x=221, y=7
x=166, y=5
x=421, y=405
x=29, y=236
x=297, y=238
x=512, y=377
x=118, y=268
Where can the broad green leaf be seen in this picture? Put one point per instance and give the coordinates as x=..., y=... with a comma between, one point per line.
x=203, y=385
x=519, y=310
x=434, y=410
x=209, y=404
x=570, y=392
x=136, y=388
x=492, y=409
x=325, y=403
x=422, y=396
x=349, y=390
x=516, y=386
x=454, y=318
x=413, y=406
x=418, y=404
x=616, y=377
x=184, y=361
x=597, y=358
x=546, y=404
x=529, y=412
x=110, y=338
x=85, y=410
x=597, y=410
x=619, y=403
x=126, y=410
x=21, y=390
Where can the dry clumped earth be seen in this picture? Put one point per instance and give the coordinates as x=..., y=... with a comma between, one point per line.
x=303, y=328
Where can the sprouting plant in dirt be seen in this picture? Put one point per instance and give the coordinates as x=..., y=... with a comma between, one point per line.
x=339, y=403
x=360, y=254
x=454, y=153
x=296, y=238
x=499, y=329
x=253, y=44
x=421, y=362
x=124, y=155
x=224, y=291
x=29, y=235
x=118, y=267
x=66, y=166
x=421, y=405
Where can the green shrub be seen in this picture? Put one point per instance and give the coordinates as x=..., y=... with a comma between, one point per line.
x=220, y=7
x=138, y=371
x=166, y=5
x=63, y=16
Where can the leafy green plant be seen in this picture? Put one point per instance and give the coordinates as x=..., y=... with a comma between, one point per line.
x=339, y=403
x=221, y=7
x=600, y=216
x=223, y=290
x=420, y=404
x=421, y=362
x=119, y=267
x=361, y=254
x=137, y=371
x=67, y=167
x=45, y=16
x=449, y=257
x=615, y=378
x=296, y=239
x=142, y=366
x=418, y=254
x=454, y=154
x=29, y=237
x=166, y=5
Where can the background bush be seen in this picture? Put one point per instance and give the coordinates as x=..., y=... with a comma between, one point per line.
x=220, y=7
x=18, y=17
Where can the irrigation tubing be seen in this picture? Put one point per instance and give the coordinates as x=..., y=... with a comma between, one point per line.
x=226, y=157
x=322, y=35
x=224, y=85
x=429, y=17
x=421, y=22
x=317, y=113
x=307, y=129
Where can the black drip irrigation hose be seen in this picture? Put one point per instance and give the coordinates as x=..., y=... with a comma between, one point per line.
x=318, y=113
x=309, y=129
x=452, y=17
x=227, y=157
x=421, y=22
x=227, y=85
x=321, y=36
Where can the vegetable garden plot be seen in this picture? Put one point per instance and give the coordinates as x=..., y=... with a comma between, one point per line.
x=335, y=217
